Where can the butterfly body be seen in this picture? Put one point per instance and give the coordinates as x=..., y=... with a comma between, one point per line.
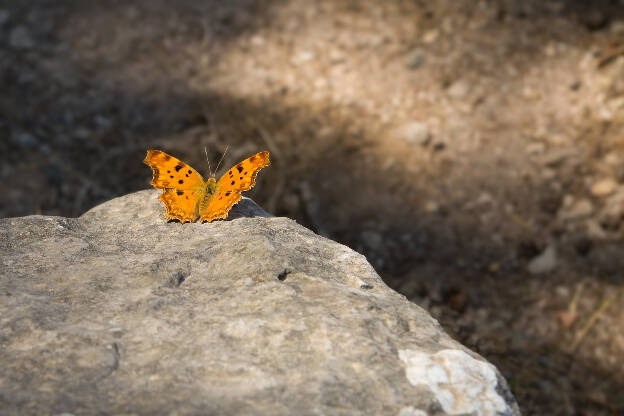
x=187, y=196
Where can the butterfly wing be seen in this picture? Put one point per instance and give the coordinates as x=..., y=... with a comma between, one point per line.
x=172, y=173
x=180, y=205
x=241, y=177
x=181, y=184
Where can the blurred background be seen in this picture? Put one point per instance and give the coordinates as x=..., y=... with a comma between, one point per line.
x=472, y=150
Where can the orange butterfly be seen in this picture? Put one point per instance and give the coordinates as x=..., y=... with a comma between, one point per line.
x=187, y=196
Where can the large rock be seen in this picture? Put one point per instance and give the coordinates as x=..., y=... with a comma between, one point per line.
x=121, y=312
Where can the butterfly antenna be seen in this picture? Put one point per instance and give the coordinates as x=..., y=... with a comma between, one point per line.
x=207, y=160
x=222, y=156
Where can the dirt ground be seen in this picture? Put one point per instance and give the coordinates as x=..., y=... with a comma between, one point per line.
x=472, y=150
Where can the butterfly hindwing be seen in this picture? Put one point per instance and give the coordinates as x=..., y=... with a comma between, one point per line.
x=220, y=205
x=180, y=205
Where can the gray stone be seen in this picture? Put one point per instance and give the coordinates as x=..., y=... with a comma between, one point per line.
x=24, y=138
x=121, y=312
x=416, y=59
x=4, y=17
x=20, y=38
x=546, y=262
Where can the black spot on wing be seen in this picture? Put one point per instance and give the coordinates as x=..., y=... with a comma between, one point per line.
x=233, y=182
x=180, y=181
x=240, y=168
x=180, y=192
x=178, y=167
x=227, y=193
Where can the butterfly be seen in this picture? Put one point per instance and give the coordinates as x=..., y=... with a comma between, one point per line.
x=187, y=196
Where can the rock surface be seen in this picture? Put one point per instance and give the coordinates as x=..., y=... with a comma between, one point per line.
x=119, y=312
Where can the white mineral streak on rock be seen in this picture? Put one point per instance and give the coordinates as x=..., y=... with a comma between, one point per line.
x=241, y=328
x=460, y=383
x=412, y=411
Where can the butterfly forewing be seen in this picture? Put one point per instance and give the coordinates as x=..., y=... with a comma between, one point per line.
x=181, y=184
x=171, y=173
x=242, y=176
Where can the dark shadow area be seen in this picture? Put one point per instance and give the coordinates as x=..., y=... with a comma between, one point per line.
x=451, y=221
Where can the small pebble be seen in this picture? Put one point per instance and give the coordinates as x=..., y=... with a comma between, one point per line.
x=603, y=187
x=546, y=262
x=20, y=38
x=430, y=36
x=459, y=89
x=303, y=57
x=4, y=17
x=576, y=210
x=24, y=139
x=431, y=206
x=562, y=292
x=415, y=132
x=594, y=230
x=416, y=59
x=612, y=159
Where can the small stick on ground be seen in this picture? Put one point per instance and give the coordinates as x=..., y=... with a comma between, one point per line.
x=604, y=305
x=573, y=306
